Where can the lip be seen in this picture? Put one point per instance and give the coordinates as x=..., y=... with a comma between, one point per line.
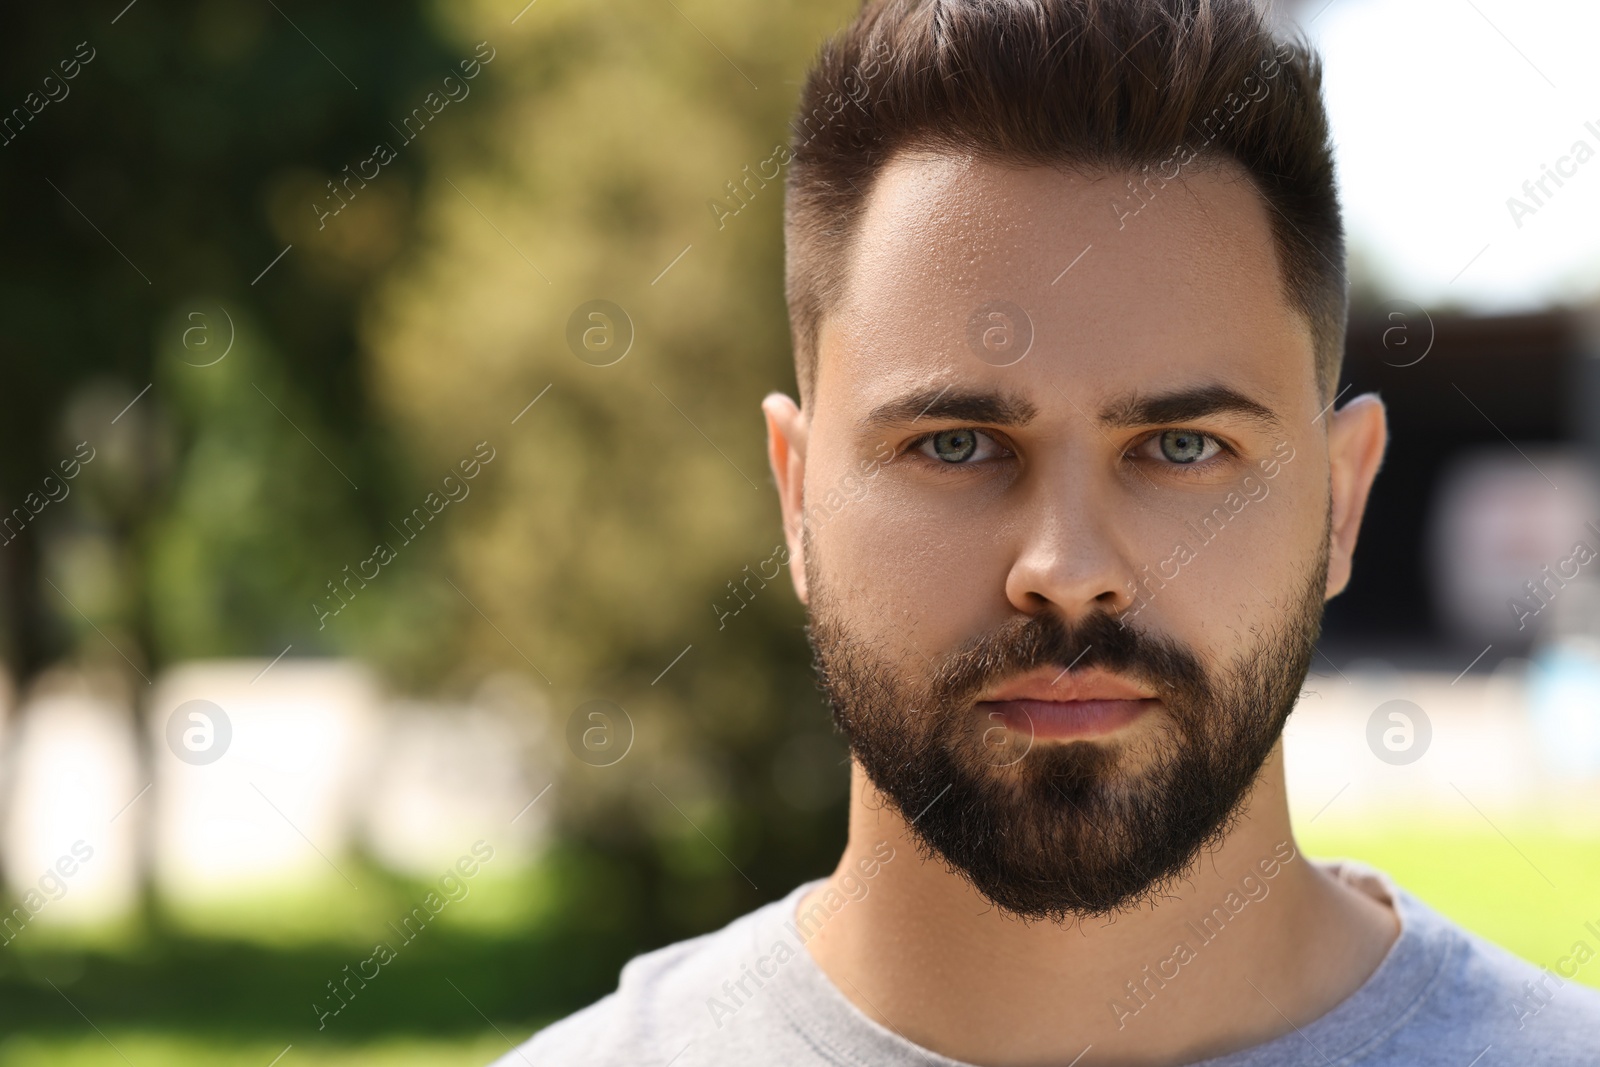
x=1059, y=704
x=1053, y=685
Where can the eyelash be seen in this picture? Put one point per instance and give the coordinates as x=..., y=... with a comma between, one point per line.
x=1224, y=449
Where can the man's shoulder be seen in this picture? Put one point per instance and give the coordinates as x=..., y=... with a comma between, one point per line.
x=659, y=1005
x=1484, y=996
x=1554, y=1006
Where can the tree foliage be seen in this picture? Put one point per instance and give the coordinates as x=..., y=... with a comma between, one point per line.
x=629, y=511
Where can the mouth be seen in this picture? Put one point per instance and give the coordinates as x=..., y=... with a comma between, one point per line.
x=1067, y=719
x=1051, y=704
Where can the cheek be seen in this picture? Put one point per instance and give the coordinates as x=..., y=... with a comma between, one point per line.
x=908, y=570
x=1206, y=605
x=1217, y=579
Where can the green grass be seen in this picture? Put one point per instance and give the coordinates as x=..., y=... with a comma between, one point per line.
x=224, y=990
x=143, y=1047
x=1530, y=891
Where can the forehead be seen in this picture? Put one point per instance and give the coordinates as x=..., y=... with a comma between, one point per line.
x=1175, y=284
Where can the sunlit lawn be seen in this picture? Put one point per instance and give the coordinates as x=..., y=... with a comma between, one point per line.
x=244, y=1001
x=141, y=1047
x=243, y=985
x=1530, y=890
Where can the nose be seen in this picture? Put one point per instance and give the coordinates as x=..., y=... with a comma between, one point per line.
x=1070, y=557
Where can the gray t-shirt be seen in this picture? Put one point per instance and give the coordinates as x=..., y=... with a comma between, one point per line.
x=1442, y=997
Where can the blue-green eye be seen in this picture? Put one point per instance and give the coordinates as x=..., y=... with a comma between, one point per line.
x=954, y=446
x=1186, y=446
x=962, y=447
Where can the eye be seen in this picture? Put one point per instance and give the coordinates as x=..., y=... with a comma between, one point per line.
x=1186, y=447
x=957, y=446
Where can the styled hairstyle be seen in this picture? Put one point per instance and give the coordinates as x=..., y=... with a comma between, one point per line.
x=1145, y=88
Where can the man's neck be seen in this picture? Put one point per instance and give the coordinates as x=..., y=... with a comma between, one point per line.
x=1232, y=957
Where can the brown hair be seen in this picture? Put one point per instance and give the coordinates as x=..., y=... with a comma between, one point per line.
x=1144, y=86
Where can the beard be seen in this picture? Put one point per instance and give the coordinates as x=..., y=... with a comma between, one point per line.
x=1061, y=830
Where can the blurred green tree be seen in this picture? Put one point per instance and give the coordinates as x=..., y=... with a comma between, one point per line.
x=629, y=499
x=392, y=262
x=154, y=160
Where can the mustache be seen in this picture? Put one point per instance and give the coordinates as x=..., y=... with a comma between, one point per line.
x=1046, y=641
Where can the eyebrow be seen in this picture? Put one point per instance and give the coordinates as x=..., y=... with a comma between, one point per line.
x=1185, y=404
x=995, y=409
x=999, y=409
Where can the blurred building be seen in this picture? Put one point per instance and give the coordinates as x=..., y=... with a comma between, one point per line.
x=75, y=804
x=258, y=769
x=1489, y=485
x=252, y=777
x=1461, y=667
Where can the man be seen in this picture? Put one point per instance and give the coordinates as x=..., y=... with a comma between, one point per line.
x=1067, y=293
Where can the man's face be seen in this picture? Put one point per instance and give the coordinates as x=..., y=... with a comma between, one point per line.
x=1137, y=509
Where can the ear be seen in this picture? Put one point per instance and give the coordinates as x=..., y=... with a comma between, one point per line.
x=786, y=451
x=1358, y=433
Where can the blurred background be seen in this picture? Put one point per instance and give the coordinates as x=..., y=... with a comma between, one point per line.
x=390, y=640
